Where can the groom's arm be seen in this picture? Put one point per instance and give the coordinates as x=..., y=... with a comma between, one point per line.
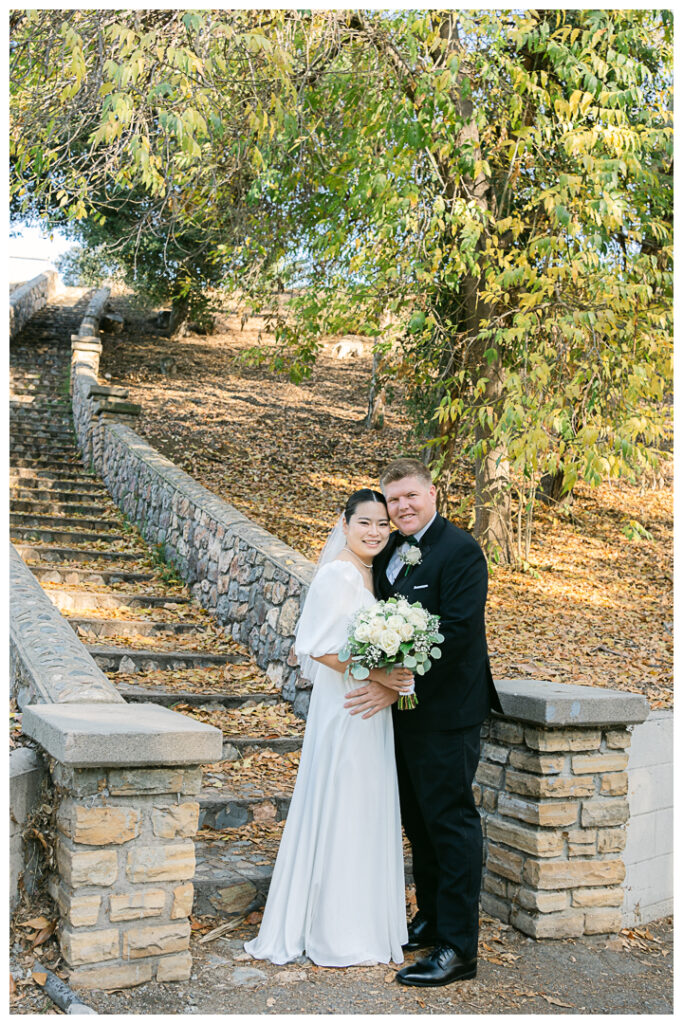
x=370, y=698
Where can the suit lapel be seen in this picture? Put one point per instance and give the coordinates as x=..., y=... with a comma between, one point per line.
x=429, y=540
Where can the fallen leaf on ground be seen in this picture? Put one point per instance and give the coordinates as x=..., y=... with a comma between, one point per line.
x=555, y=1002
x=36, y=922
x=40, y=977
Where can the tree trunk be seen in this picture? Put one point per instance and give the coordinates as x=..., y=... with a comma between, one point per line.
x=550, y=489
x=180, y=309
x=376, y=398
x=493, y=518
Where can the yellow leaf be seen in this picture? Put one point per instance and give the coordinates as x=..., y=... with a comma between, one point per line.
x=35, y=922
x=40, y=977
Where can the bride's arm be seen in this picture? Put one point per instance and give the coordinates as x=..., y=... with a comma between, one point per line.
x=331, y=661
x=399, y=680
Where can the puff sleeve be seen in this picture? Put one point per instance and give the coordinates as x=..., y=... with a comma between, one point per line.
x=333, y=597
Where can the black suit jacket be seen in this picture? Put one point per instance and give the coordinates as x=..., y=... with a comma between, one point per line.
x=451, y=581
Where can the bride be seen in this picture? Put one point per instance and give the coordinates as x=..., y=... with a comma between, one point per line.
x=338, y=892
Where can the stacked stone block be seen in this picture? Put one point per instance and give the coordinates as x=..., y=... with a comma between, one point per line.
x=125, y=863
x=554, y=808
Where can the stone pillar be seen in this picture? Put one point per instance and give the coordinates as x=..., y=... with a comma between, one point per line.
x=126, y=779
x=552, y=790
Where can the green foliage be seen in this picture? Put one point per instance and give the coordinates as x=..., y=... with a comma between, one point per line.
x=165, y=568
x=487, y=193
x=501, y=183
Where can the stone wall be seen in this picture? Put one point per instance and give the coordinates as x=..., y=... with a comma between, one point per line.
x=123, y=785
x=552, y=787
x=125, y=781
x=28, y=298
x=252, y=582
x=649, y=853
x=48, y=663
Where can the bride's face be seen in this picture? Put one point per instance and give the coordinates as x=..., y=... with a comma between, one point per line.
x=367, y=532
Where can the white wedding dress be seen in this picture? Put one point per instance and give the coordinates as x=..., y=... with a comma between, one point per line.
x=338, y=892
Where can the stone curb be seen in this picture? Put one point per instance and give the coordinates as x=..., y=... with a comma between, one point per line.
x=558, y=704
x=50, y=663
x=119, y=735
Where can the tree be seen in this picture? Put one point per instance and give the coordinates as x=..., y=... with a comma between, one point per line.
x=139, y=130
x=496, y=184
x=497, y=181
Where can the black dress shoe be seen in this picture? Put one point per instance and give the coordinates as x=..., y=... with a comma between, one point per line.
x=441, y=967
x=421, y=933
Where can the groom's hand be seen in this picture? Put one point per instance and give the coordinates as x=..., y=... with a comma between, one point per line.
x=368, y=699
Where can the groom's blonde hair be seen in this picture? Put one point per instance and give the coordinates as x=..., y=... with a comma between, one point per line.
x=400, y=468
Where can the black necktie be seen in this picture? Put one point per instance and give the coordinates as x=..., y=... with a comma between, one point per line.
x=410, y=540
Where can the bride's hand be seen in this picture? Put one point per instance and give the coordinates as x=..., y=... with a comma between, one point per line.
x=399, y=679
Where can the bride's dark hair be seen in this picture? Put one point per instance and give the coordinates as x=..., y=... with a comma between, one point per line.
x=358, y=497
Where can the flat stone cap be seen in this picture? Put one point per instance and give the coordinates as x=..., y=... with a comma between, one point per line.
x=112, y=735
x=560, y=704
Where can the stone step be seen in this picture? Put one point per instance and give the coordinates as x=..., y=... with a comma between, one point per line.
x=65, y=522
x=55, y=467
x=92, y=626
x=57, y=496
x=221, y=809
x=168, y=698
x=229, y=882
x=234, y=746
x=21, y=427
x=23, y=533
x=48, y=553
x=38, y=448
x=109, y=658
x=69, y=575
x=85, y=484
x=233, y=874
x=92, y=600
x=232, y=880
x=42, y=390
x=31, y=506
x=40, y=406
x=50, y=424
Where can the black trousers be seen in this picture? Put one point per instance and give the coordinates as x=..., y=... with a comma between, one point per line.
x=441, y=820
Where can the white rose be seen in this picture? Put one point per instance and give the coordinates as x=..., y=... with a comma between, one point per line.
x=418, y=618
x=406, y=631
x=376, y=632
x=362, y=632
x=395, y=621
x=390, y=642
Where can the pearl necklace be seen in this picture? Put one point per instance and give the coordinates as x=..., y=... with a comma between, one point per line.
x=367, y=566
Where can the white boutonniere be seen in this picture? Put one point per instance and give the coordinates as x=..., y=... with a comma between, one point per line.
x=410, y=557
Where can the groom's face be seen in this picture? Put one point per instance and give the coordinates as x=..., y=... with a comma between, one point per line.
x=411, y=503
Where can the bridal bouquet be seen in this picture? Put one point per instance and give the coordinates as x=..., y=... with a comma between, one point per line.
x=391, y=633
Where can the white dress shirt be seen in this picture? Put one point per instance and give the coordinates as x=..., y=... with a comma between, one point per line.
x=395, y=566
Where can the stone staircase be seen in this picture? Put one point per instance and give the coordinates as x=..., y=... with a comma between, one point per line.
x=141, y=625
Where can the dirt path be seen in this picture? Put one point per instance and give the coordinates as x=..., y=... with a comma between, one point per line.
x=629, y=974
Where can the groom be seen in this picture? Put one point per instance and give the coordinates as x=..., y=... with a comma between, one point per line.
x=437, y=743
